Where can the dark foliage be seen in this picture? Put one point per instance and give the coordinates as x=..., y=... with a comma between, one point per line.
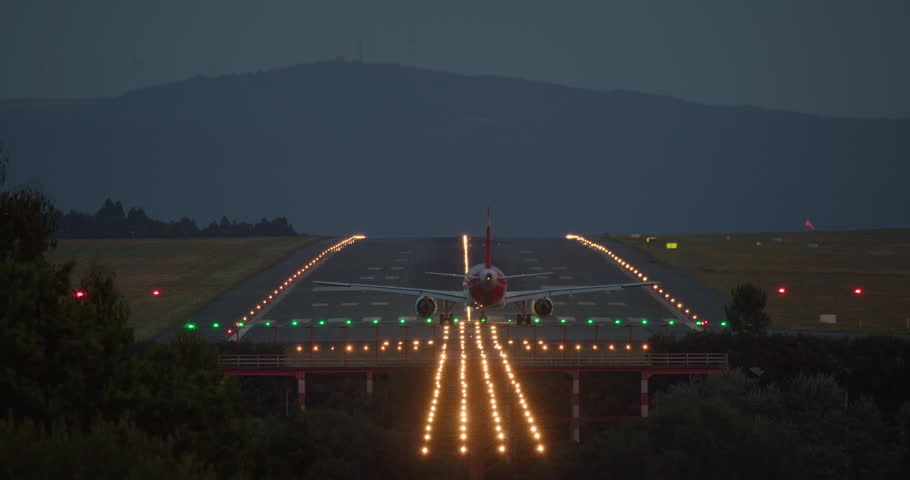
x=746, y=313
x=27, y=224
x=111, y=221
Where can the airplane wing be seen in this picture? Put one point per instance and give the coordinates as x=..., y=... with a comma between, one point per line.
x=450, y=295
x=521, y=295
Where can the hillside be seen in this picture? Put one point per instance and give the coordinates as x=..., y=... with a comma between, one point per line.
x=339, y=147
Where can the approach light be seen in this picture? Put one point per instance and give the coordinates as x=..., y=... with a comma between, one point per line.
x=156, y=292
x=781, y=290
x=79, y=294
x=858, y=291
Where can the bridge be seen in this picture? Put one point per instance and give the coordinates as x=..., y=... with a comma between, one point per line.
x=647, y=364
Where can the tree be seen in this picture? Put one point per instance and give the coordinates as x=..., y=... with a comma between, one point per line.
x=747, y=311
x=105, y=450
x=110, y=220
x=27, y=224
x=4, y=163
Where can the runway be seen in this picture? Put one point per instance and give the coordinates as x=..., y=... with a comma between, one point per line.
x=319, y=314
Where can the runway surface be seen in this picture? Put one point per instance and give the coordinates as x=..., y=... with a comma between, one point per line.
x=327, y=315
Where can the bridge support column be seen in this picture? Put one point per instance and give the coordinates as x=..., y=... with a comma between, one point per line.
x=369, y=383
x=301, y=390
x=644, y=394
x=576, y=407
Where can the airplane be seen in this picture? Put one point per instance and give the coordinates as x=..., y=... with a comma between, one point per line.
x=486, y=286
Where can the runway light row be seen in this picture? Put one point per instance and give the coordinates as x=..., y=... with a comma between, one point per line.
x=437, y=389
x=467, y=267
x=386, y=346
x=673, y=301
x=516, y=386
x=463, y=408
x=498, y=434
x=255, y=309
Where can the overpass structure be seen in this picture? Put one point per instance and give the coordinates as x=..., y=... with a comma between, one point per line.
x=647, y=364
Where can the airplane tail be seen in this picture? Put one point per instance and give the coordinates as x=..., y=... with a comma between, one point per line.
x=489, y=255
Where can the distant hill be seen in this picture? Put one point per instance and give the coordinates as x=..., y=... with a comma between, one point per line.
x=339, y=147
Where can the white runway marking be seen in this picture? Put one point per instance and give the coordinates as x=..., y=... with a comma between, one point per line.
x=587, y=303
x=374, y=268
x=391, y=277
x=397, y=268
x=379, y=304
x=616, y=304
x=350, y=304
x=368, y=277
x=566, y=277
x=320, y=304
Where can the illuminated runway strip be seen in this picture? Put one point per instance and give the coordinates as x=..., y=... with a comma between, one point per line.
x=673, y=301
x=498, y=433
x=440, y=369
x=462, y=374
x=259, y=310
x=516, y=386
x=467, y=266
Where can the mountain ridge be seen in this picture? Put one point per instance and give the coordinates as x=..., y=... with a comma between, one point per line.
x=381, y=131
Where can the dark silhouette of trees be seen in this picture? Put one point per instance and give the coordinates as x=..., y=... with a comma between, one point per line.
x=747, y=311
x=28, y=221
x=111, y=221
x=4, y=163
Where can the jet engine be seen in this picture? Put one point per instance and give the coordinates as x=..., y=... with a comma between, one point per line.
x=425, y=306
x=542, y=307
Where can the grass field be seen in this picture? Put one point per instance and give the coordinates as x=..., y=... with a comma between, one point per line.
x=818, y=280
x=189, y=272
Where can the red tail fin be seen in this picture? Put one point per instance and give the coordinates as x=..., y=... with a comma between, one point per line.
x=489, y=241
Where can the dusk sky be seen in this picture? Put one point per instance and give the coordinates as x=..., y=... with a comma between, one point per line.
x=826, y=57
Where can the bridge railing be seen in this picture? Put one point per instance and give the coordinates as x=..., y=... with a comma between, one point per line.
x=543, y=360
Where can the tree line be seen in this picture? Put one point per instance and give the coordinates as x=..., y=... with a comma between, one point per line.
x=113, y=221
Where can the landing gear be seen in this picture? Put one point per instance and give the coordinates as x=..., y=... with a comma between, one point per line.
x=524, y=318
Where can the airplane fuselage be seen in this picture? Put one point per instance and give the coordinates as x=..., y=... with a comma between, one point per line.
x=485, y=286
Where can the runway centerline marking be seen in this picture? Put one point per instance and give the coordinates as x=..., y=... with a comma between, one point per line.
x=587, y=303
x=616, y=304
x=391, y=277
x=374, y=268
x=397, y=268
x=350, y=304
x=320, y=304
x=378, y=304
x=368, y=277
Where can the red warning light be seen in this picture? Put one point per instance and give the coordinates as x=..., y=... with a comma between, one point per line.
x=156, y=292
x=858, y=291
x=79, y=294
x=230, y=331
x=782, y=290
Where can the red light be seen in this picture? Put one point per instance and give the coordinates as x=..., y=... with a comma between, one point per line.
x=782, y=290
x=80, y=294
x=857, y=291
x=156, y=292
x=230, y=331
